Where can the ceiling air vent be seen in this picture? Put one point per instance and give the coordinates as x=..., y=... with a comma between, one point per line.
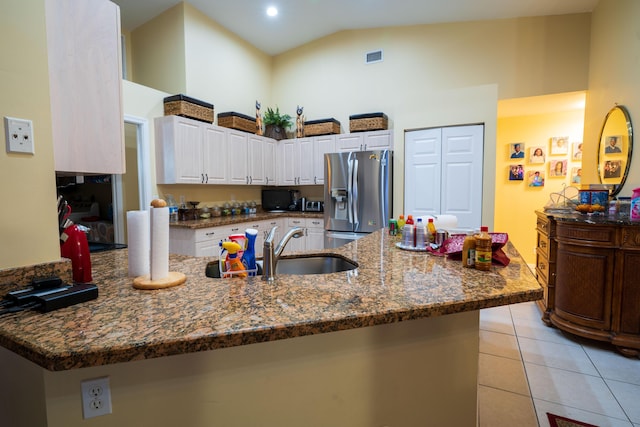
x=375, y=56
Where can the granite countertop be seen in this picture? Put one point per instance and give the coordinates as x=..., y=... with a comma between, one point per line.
x=597, y=218
x=125, y=324
x=235, y=219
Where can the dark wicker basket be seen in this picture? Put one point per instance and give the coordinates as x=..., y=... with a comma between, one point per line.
x=368, y=122
x=321, y=127
x=237, y=121
x=181, y=105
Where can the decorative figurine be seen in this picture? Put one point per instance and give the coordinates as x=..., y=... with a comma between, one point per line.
x=258, y=119
x=299, y=122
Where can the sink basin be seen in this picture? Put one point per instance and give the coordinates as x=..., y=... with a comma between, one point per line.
x=316, y=264
x=312, y=264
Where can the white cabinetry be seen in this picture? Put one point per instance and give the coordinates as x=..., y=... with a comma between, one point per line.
x=262, y=160
x=238, y=145
x=198, y=242
x=365, y=141
x=313, y=238
x=190, y=152
x=263, y=228
x=85, y=83
x=301, y=160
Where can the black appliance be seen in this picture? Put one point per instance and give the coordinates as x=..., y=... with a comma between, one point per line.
x=278, y=200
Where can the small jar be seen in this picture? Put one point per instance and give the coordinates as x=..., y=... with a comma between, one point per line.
x=216, y=212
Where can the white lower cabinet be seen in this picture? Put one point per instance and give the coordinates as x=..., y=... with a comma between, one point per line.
x=204, y=242
x=313, y=238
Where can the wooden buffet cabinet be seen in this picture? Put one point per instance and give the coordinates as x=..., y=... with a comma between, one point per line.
x=589, y=268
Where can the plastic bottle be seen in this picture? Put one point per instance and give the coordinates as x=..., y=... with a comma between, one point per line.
x=401, y=222
x=407, y=236
x=634, y=213
x=421, y=235
x=411, y=223
x=233, y=262
x=469, y=251
x=249, y=255
x=173, y=208
x=483, y=249
x=431, y=228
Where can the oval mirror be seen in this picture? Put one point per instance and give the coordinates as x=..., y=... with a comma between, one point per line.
x=614, y=151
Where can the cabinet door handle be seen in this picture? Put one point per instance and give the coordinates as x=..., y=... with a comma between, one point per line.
x=543, y=245
x=235, y=229
x=201, y=178
x=542, y=266
x=209, y=234
x=250, y=180
x=247, y=179
x=206, y=176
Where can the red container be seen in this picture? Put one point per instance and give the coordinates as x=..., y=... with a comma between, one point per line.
x=75, y=247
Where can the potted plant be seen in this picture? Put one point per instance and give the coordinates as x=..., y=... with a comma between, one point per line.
x=276, y=124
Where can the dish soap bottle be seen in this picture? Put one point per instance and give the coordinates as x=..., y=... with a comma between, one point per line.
x=249, y=255
x=469, y=251
x=483, y=249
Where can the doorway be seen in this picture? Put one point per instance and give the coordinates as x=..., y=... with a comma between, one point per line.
x=443, y=173
x=132, y=191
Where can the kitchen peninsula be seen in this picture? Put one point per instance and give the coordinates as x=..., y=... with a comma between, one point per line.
x=393, y=342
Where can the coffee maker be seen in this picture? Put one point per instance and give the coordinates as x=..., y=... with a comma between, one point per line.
x=296, y=201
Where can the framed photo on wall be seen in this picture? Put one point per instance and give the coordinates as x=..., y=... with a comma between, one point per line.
x=516, y=172
x=536, y=155
x=535, y=178
x=576, y=153
x=576, y=175
x=558, y=168
x=559, y=145
x=516, y=150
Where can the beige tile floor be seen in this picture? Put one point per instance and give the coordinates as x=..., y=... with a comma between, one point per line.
x=528, y=369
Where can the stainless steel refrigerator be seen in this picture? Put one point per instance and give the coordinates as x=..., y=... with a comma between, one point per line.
x=357, y=194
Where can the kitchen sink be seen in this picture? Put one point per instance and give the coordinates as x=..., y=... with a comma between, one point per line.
x=312, y=264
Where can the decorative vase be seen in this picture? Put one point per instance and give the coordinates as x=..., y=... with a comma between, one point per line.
x=275, y=132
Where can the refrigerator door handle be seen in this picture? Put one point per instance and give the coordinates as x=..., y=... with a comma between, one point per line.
x=354, y=205
x=350, y=188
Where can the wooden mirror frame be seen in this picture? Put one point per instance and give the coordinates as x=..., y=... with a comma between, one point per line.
x=616, y=128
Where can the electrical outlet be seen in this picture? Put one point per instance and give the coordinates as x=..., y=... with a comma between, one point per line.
x=96, y=397
x=19, y=135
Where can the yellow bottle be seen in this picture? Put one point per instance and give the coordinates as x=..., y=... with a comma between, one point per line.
x=401, y=223
x=483, y=249
x=233, y=262
x=431, y=228
x=469, y=251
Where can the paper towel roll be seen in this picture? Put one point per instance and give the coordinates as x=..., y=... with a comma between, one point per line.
x=159, y=243
x=138, y=242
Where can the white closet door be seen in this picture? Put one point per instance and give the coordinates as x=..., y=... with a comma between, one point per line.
x=443, y=173
x=462, y=150
x=422, y=172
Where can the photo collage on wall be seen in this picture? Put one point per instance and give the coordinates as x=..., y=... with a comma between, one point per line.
x=562, y=157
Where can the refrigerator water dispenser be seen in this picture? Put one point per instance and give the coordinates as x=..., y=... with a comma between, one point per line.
x=339, y=195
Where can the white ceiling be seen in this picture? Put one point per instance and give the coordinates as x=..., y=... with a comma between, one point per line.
x=301, y=21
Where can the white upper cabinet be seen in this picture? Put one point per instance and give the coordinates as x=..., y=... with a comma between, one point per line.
x=270, y=161
x=238, y=145
x=85, y=80
x=365, y=141
x=321, y=146
x=190, y=152
x=261, y=160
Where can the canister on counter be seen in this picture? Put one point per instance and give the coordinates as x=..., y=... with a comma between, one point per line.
x=393, y=227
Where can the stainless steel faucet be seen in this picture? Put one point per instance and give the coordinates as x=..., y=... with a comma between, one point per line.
x=271, y=254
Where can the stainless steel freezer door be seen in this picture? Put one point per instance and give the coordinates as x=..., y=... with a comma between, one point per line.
x=371, y=190
x=338, y=213
x=334, y=239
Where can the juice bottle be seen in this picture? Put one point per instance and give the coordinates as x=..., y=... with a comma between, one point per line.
x=483, y=249
x=401, y=222
x=469, y=251
x=431, y=228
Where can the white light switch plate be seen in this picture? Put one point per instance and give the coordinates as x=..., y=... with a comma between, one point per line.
x=19, y=135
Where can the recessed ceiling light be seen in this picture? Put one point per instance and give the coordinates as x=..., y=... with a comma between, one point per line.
x=272, y=11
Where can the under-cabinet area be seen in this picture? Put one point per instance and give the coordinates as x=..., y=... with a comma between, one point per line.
x=589, y=269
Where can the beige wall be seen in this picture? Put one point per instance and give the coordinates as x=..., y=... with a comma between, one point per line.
x=516, y=202
x=613, y=78
x=28, y=229
x=435, y=75
x=158, y=52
